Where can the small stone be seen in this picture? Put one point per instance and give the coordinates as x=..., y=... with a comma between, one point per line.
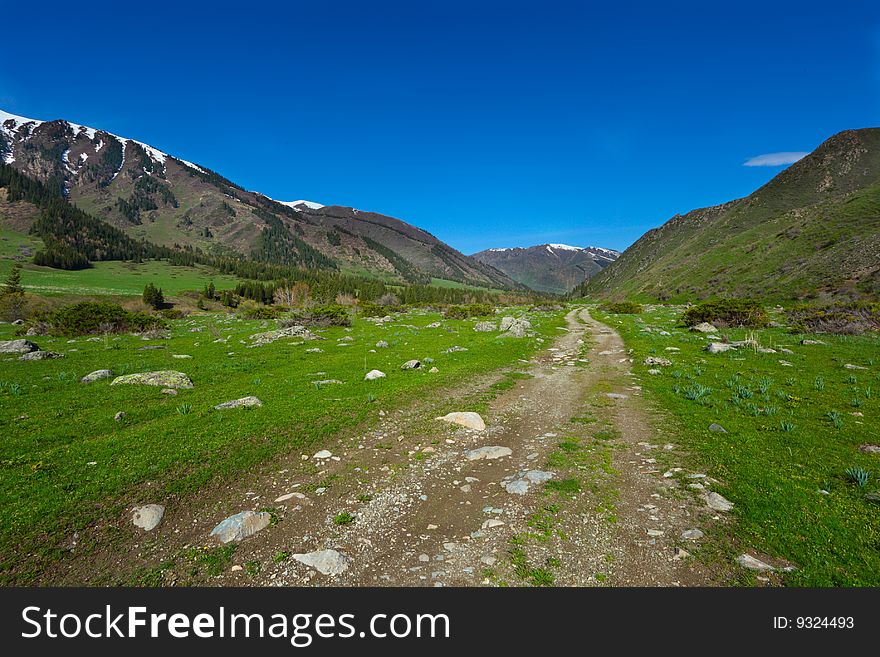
x=147, y=517
x=244, y=402
x=240, y=526
x=326, y=562
x=169, y=391
x=120, y=416
x=718, y=502
x=488, y=560
x=870, y=449
x=411, y=365
x=323, y=454
x=692, y=534
x=655, y=532
x=466, y=419
x=372, y=375
x=749, y=562
x=97, y=375
x=717, y=428
x=518, y=487
x=488, y=453
x=492, y=522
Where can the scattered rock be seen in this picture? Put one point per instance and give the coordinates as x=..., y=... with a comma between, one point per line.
x=692, y=534
x=326, y=562
x=515, y=327
x=17, y=347
x=870, y=449
x=240, y=526
x=489, y=453
x=147, y=517
x=323, y=454
x=96, y=376
x=654, y=360
x=411, y=365
x=718, y=502
x=485, y=327
x=162, y=379
x=40, y=355
x=812, y=342
x=749, y=562
x=719, y=347
x=539, y=476
x=847, y=366
x=169, y=391
x=704, y=327
x=717, y=428
x=654, y=372
x=244, y=402
x=455, y=349
x=492, y=522
x=518, y=487
x=381, y=344
x=466, y=419
x=373, y=375
x=301, y=332
x=433, y=370
x=120, y=416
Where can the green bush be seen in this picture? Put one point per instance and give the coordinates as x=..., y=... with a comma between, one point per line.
x=469, y=310
x=622, y=308
x=329, y=315
x=248, y=309
x=727, y=313
x=88, y=317
x=843, y=319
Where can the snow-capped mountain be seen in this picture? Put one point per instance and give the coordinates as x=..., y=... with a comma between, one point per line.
x=549, y=267
x=168, y=200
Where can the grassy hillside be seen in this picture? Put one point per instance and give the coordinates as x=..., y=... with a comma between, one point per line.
x=811, y=232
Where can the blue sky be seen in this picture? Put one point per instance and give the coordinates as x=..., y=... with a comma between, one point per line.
x=486, y=123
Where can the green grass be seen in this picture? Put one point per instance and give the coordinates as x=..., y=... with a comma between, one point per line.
x=65, y=462
x=790, y=435
x=116, y=278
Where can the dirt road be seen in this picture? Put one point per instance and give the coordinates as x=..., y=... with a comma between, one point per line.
x=580, y=499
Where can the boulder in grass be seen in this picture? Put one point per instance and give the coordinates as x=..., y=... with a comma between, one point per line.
x=372, y=375
x=411, y=365
x=703, y=327
x=485, y=327
x=719, y=347
x=161, y=379
x=97, y=375
x=17, y=347
x=244, y=402
x=40, y=355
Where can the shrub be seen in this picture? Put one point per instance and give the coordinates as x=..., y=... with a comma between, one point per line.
x=329, y=315
x=153, y=296
x=842, y=319
x=727, y=313
x=622, y=308
x=248, y=309
x=88, y=317
x=173, y=313
x=469, y=310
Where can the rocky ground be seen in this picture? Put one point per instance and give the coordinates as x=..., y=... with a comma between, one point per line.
x=570, y=483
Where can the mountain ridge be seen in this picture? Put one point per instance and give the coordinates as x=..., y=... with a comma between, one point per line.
x=170, y=201
x=554, y=268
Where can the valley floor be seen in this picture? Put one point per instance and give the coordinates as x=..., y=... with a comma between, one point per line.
x=405, y=506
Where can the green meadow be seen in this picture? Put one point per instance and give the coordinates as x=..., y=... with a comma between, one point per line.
x=66, y=462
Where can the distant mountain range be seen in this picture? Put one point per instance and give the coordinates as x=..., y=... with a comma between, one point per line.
x=170, y=201
x=813, y=232
x=553, y=268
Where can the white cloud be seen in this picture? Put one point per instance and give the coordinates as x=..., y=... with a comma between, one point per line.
x=774, y=159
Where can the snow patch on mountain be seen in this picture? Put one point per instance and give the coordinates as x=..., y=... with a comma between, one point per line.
x=296, y=204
